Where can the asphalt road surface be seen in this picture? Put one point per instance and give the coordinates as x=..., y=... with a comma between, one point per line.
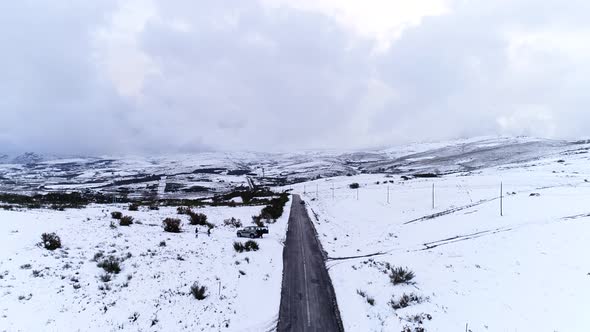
x=308, y=302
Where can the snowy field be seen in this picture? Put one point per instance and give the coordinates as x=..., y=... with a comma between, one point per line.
x=474, y=269
x=61, y=290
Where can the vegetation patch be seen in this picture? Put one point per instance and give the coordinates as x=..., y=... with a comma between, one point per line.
x=199, y=292
x=50, y=241
x=172, y=225
x=111, y=265
x=273, y=211
x=233, y=222
x=400, y=275
x=239, y=247
x=126, y=221
x=55, y=200
x=184, y=210
x=405, y=301
x=197, y=218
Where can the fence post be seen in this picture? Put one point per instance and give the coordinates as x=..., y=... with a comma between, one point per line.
x=501, y=199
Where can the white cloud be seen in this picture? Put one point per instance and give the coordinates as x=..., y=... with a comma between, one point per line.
x=118, y=50
x=528, y=120
x=163, y=75
x=382, y=20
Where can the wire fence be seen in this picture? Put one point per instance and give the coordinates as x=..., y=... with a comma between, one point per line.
x=436, y=193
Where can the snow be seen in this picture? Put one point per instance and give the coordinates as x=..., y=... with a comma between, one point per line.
x=158, y=291
x=237, y=200
x=523, y=271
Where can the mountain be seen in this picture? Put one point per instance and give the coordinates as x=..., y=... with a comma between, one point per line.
x=27, y=158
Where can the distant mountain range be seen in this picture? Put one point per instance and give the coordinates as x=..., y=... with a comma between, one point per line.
x=202, y=174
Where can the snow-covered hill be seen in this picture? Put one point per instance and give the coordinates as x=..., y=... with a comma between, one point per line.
x=474, y=268
x=204, y=174
x=65, y=290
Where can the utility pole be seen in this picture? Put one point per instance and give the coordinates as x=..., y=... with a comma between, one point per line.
x=501, y=199
x=332, y=191
x=317, y=189
x=433, y=196
x=357, y=194
x=304, y=191
x=387, y=194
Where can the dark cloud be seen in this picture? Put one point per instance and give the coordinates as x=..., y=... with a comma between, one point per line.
x=52, y=95
x=254, y=79
x=239, y=75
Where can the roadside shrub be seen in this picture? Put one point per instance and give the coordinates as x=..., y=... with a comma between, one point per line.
x=50, y=241
x=172, y=225
x=266, y=215
x=233, y=222
x=369, y=299
x=257, y=220
x=199, y=292
x=116, y=215
x=239, y=247
x=184, y=210
x=400, y=275
x=251, y=245
x=110, y=265
x=354, y=185
x=154, y=207
x=97, y=256
x=133, y=207
x=162, y=243
x=415, y=329
x=418, y=318
x=198, y=219
x=105, y=277
x=126, y=221
x=276, y=208
x=405, y=301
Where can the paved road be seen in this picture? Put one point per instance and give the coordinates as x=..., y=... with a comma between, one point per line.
x=307, y=298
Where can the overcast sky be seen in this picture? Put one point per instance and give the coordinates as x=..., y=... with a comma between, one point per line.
x=162, y=76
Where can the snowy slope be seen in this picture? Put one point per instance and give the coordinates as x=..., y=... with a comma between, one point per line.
x=524, y=271
x=205, y=174
x=59, y=291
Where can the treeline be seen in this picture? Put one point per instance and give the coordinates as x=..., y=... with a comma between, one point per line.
x=56, y=201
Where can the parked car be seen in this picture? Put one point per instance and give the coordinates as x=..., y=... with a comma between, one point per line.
x=252, y=231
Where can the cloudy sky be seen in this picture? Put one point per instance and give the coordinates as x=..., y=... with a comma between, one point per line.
x=160, y=76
